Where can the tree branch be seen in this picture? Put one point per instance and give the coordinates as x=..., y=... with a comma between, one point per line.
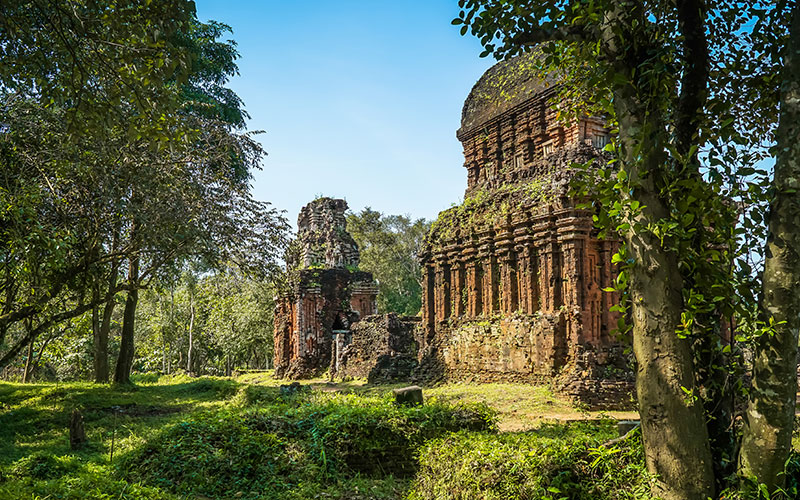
x=694, y=82
x=57, y=318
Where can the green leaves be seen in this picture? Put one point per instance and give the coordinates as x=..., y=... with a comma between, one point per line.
x=390, y=246
x=119, y=142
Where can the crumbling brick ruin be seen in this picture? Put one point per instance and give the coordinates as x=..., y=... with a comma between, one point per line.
x=325, y=320
x=513, y=276
x=326, y=294
x=381, y=349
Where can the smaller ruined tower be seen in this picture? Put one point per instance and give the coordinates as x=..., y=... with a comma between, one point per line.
x=326, y=293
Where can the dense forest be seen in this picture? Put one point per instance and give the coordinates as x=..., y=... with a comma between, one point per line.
x=138, y=272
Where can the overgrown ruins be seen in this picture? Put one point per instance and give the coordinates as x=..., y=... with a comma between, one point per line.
x=323, y=319
x=513, y=277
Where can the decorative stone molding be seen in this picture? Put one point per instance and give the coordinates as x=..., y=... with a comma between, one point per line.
x=327, y=295
x=513, y=277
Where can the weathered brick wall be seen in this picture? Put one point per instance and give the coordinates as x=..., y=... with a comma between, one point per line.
x=326, y=292
x=518, y=347
x=381, y=348
x=514, y=276
x=599, y=378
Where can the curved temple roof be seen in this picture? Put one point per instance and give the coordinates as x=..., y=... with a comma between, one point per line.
x=503, y=86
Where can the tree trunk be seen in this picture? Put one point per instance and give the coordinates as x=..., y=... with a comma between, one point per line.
x=191, y=338
x=163, y=355
x=101, y=365
x=673, y=429
x=41, y=350
x=28, y=364
x=122, y=375
x=97, y=347
x=101, y=369
x=674, y=432
x=95, y=332
x=767, y=438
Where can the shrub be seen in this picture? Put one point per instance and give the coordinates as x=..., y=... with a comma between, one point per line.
x=213, y=454
x=350, y=434
x=221, y=388
x=273, y=450
x=554, y=462
x=752, y=491
x=91, y=483
x=251, y=395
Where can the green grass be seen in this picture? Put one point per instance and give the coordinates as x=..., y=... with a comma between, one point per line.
x=219, y=438
x=519, y=406
x=35, y=457
x=556, y=461
x=177, y=437
x=35, y=417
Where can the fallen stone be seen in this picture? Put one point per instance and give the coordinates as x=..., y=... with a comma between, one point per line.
x=294, y=388
x=408, y=396
x=77, y=434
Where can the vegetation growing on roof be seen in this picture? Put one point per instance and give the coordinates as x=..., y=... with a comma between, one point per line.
x=484, y=209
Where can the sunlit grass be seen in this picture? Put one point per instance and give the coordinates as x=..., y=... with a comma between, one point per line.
x=35, y=417
x=520, y=406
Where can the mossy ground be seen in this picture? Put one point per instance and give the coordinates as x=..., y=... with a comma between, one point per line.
x=180, y=437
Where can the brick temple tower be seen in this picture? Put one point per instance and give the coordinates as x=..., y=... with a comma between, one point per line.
x=513, y=277
x=326, y=294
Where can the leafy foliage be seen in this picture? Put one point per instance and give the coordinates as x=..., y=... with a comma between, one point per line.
x=121, y=146
x=231, y=318
x=554, y=462
x=390, y=246
x=273, y=448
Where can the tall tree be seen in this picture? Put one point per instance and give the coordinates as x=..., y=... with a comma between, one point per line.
x=389, y=246
x=108, y=164
x=664, y=73
x=769, y=419
x=71, y=71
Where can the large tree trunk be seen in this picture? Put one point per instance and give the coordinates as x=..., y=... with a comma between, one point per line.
x=101, y=365
x=673, y=428
x=674, y=432
x=99, y=349
x=769, y=419
x=122, y=374
x=101, y=368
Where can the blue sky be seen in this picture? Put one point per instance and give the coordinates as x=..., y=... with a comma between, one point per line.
x=359, y=100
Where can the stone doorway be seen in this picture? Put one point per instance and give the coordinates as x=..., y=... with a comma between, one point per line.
x=340, y=331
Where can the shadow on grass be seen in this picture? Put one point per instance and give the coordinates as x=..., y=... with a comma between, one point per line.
x=35, y=417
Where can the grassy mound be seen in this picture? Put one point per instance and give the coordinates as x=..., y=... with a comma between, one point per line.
x=554, y=462
x=284, y=445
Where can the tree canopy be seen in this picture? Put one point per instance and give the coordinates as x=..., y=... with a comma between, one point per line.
x=123, y=156
x=390, y=245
